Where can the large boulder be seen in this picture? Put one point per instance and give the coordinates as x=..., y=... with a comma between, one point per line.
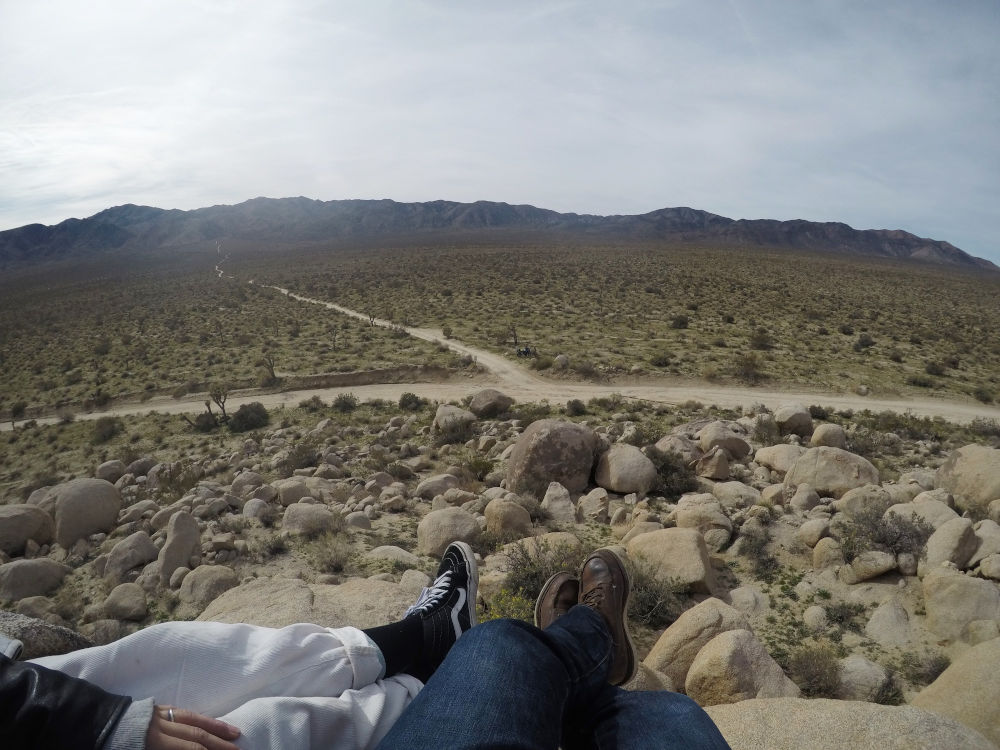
x=183, y=542
x=131, y=552
x=869, y=564
x=111, y=471
x=680, y=643
x=954, y=600
x=435, y=485
x=19, y=523
x=624, y=469
x=309, y=520
x=934, y=512
x=779, y=458
x=39, y=637
x=127, y=601
x=276, y=602
x=968, y=691
x=794, y=419
x=704, y=513
x=825, y=724
x=551, y=450
x=204, y=584
x=974, y=473
x=831, y=471
x=734, y=495
x=291, y=490
x=23, y=578
x=677, y=555
x=954, y=542
x=451, y=420
x=85, y=507
x=558, y=504
x=735, y=666
x=719, y=434
x=506, y=519
x=860, y=679
x=439, y=528
x=889, y=624
x=489, y=403
x=830, y=435
x=684, y=448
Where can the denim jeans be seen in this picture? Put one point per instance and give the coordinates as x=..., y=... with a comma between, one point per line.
x=506, y=684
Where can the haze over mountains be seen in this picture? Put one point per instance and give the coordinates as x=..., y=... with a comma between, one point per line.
x=290, y=221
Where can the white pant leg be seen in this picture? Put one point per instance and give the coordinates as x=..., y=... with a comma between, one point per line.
x=250, y=674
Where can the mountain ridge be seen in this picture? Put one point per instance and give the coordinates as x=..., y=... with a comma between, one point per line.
x=300, y=219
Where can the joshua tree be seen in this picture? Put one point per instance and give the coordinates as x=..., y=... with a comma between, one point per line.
x=267, y=362
x=219, y=393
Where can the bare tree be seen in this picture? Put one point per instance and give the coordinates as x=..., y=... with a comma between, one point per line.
x=512, y=332
x=219, y=393
x=371, y=319
x=267, y=362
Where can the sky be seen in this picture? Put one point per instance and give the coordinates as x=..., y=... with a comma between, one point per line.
x=883, y=115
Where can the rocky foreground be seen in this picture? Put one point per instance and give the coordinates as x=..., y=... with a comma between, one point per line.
x=816, y=604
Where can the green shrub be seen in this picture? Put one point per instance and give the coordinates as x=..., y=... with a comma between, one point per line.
x=871, y=529
x=329, y=552
x=679, y=321
x=252, y=416
x=205, y=422
x=865, y=341
x=661, y=359
x=575, y=408
x=312, y=405
x=508, y=604
x=934, y=368
x=301, y=456
x=654, y=603
x=345, y=402
x=676, y=477
x=527, y=571
x=749, y=368
x=816, y=670
x=819, y=412
x=761, y=339
x=411, y=402
x=920, y=381
x=104, y=429
x=845, y=615
x=984, y=395
x=530, y=412
x=923, y=669
x=753, y=546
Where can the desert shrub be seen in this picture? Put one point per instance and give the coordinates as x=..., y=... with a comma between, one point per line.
x=846, y=329
x=329, y=552
x=871, y=529
x=865, y=341
x=267, y=545
x=175, y=479
x=611, y=402
x=575, y=408
x=478, y=466
x=654, y=603
x=676, y=477
x=895, y=355
x=845, y=615
x=205, y=422
x=934, y=368
x=679, y=321
x=761, y=339
x=530, y=412
x=889, y=693
x=984, y=395
x=345, y=402
x=816, y=670
x=985, y=427
x=312, y=405
x=454, y=434
x=923, y=669
x=411, y=402
x=104, y=429
x=749, y=368
x=753, y=546
x=527, y=571
x=301, y=456
x=446, y=332
x=250, y=416
x=585, y=368
x=660, y=359
x=819, y=412
x=542, y=362
x=920, y=381
x=508, y=604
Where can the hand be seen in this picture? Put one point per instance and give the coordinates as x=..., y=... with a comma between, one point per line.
x=188, y=731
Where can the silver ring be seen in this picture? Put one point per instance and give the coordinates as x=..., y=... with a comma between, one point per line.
x=170, y=714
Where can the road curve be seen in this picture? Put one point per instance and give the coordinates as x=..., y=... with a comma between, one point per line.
x=524, y=385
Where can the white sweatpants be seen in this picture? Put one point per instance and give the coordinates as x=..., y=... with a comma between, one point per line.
x=301, y=686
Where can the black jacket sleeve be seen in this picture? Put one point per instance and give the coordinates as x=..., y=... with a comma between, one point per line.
x=43, y=708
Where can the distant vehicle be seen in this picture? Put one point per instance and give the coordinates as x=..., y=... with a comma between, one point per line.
x=526, y=351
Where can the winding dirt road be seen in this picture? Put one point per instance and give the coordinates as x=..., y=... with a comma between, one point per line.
x=524, y=385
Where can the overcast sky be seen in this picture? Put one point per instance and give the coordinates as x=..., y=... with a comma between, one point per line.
x=879, y=114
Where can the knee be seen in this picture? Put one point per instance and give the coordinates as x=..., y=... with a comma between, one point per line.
x=502, y=630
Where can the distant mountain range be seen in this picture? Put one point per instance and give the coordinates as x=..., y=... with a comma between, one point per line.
x=290, y=221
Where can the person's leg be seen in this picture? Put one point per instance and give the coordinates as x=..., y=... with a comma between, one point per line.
x=507, y=684
x=618, y=719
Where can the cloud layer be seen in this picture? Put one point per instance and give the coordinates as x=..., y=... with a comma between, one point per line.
x=883, y=115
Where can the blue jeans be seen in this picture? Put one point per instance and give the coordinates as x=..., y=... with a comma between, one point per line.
x=506, y=684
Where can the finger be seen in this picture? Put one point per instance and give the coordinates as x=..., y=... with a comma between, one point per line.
x=187, y=737
x=210, y=725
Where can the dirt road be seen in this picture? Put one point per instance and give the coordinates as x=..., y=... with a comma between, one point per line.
x=524, y=385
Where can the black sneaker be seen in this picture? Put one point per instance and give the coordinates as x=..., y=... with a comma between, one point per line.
x=448, y=606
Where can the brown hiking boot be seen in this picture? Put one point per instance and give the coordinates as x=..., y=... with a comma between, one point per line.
x=559, y=593
x=605, y=588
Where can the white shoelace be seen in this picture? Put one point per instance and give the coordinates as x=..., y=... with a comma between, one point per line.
x=431, y=595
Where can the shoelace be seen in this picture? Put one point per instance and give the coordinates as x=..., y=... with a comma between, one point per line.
x=431, y=595
x=593, y=598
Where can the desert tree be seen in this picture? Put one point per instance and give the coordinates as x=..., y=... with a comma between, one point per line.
x=267, y=362
x=219, y=392
x=17, y=410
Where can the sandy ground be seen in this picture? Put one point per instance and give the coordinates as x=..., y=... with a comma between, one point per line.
x=524, y=385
